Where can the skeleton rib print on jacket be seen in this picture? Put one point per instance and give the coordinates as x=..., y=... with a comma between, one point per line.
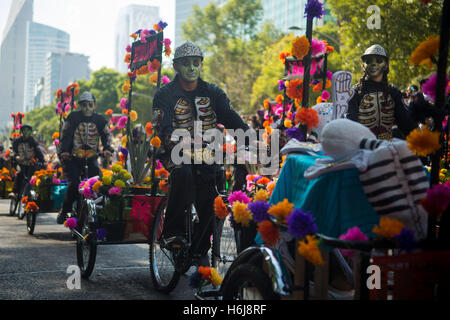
x=371, y=108
x=82, y=133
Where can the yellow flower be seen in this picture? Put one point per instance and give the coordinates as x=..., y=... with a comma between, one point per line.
x=424, y=52
x=96, y=186
x=241, y=214
x=38, y=182
x=281, y=210
x=116, y=168
x=444, y=171
x=147, y=179
x=441, y=176
x=107, y=180
x=423, y=142
x=119, y=183
x=216, y=279
x=288, y=123
x=388, y=228
x=126, y=86
x=127, y=176
x=261, y=195
x=133, y=115
x=107, y=172
x=300, y=47
x=310, y=250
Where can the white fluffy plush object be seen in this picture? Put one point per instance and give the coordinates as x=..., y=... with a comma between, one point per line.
x=340, y=138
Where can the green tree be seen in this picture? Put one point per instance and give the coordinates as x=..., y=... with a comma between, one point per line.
x=232, y=42
x=403, y=26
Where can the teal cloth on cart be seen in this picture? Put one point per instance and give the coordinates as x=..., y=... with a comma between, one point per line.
x=57, y=194
x=336, y=199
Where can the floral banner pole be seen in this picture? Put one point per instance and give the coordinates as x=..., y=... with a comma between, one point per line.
x=144, y=56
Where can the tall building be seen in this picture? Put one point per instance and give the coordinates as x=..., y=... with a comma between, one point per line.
x=183, y=10
x=12, y=58
x=131, y=19
x=39, y=93
x=61, y=69
x=42, y=39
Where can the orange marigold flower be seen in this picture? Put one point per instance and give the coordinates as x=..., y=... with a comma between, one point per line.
x=308, y=117
x=279, y=99
x=163, y=186
x=310, y=250
x=109, y=112
x=388, y=228
x=425, y=51
x=266, y=104
x=149, y=129
x=156, y=142
x=294, y=89
x=300, y=47
x=423, y=142
x=133, y=115
x=220, y=208
x=281, y=210
x=263, y=180
x=269, y=232
x=127, y=58
x=55, y=135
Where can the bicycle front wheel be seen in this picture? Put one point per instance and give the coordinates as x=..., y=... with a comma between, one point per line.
x=20, y=209
x=86, y=247
x=31, y=221
x=13, y=206
x=224, y=248
x=163, y=272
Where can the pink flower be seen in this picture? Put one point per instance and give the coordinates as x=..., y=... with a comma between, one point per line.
x=67, y=108
x=56, y=181
x=317, y=47
x=329, y=75
x=159, y=165
x=87, y=193
x=165, y=80
x=166, y=42
x=71, y=223
x=325, y=95
x=59, y=105
x=353, y=234
x=238, y=196
x=122, y=122
x=33, y=180
x=128, y=48
x=115, y=191
x=55, y=142
x=429, y=87
x=123, y=103
x=19, y=126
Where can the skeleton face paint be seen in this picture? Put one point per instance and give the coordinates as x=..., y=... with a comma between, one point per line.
x=87, y=108
x=374, y=65
x=189, y=68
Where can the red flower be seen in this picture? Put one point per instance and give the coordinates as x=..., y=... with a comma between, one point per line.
x=269, y=232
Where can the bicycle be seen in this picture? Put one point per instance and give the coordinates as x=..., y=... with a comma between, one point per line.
x=16, y=204
x=166, y=266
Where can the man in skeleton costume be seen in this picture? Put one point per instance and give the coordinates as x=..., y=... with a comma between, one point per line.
x=27, y=154
x=178, y=104
x=377, y=104
x=80, y=139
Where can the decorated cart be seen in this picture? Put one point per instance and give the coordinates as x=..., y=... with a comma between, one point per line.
x=120, y=206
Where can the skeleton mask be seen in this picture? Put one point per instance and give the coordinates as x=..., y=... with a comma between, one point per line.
x=87, y=108
x=189, y=68
x=374, y=65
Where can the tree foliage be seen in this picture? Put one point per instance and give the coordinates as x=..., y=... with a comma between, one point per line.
x=232, y=41
x=403, y=25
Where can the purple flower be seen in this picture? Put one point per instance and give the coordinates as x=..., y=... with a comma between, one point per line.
x=101, y=234
x=281, y=85
x=301, y=224
x=406, y=240
x=257, y=178
x=295, y=133
x=259, y=210
x=314, y=9
x=152, y=32
x=162, y=25
x=138, y=32
x=314, y=82
x=124, y=151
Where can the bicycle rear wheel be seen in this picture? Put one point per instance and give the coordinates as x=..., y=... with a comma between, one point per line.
x=224, y=248
x=31, y=221
x=163, y=272
x=87, y=247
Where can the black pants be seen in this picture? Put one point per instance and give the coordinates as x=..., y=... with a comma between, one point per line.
x=19, y=181
x=73, y=170
x=191, y=184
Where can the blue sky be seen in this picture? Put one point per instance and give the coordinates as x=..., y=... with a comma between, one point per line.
x=90, y=23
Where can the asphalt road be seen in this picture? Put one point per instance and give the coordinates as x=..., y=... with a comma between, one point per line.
x=34, y=267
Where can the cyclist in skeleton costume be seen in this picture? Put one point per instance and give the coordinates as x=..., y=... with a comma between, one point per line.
x=80, y=139
x=178, y=104
x=377, y=104
x=26, y=153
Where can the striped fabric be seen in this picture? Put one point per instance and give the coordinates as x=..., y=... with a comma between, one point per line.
x=395, y=182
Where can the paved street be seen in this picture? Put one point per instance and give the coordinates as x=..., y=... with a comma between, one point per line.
x=34, y=267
